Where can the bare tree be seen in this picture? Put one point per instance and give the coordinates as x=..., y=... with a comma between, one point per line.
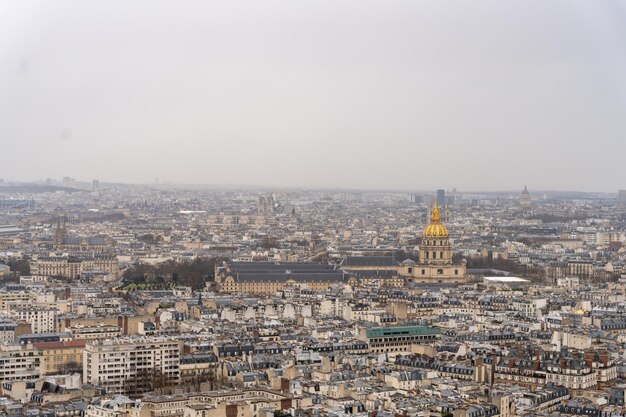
x=148, y=381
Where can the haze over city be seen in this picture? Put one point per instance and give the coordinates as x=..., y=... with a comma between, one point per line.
x=328, y=208
x=482, y=95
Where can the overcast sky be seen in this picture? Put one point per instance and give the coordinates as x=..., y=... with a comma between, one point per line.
x=481, y=95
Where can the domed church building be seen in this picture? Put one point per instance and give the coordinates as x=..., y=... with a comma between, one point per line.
x=435, y=256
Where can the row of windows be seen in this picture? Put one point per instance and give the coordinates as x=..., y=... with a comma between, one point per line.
x=439, y=271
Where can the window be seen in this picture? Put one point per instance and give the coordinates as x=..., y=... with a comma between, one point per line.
x=410, y=270
x=440, y=271
x=456, y=272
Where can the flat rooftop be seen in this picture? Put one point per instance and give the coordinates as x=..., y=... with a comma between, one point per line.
x=506, y=279
x=401, y=331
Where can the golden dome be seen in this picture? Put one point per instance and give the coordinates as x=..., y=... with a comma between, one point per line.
x=435, y=229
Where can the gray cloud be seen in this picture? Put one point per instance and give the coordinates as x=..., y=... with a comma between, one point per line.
x=401, y=94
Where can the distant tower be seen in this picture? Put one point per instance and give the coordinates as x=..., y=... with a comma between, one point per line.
x=57, y=232
x=446, y=214
x=271, y=204
x=261, y=205
x=524, y=199
x=61, y=233
x=441, y=197
x=415, y=198
x=265, y=205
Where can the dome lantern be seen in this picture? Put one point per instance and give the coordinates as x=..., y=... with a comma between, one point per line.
x=435, y=230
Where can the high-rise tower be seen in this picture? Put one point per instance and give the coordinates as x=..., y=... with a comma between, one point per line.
x=441, y=197
x=524, y=199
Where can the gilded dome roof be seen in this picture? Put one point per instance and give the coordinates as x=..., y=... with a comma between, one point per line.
x=435, y=229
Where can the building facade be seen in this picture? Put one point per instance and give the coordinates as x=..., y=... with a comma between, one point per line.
x=123, y=365
x=397, y=338
x=435, y=263
x=269, y=277
x=60, y=357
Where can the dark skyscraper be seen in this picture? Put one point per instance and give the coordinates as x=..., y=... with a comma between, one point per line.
x=441, y=197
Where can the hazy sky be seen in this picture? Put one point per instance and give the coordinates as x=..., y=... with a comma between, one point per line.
x=412, y=94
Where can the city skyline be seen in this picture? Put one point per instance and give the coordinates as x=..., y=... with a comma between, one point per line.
x=83, y=184
x=312, y=208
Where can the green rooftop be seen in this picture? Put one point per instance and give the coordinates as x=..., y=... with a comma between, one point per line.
x=401, y=331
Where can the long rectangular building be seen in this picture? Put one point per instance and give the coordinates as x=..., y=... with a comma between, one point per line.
x=269, y=277
x=397, y=338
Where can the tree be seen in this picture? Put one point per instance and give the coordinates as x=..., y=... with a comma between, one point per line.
x=150, y=239
x=71, y=368
x=21, y=266
x=196, y=380
x=269, y=243
x=193, y=274
x=401, y=255
x=151, y=380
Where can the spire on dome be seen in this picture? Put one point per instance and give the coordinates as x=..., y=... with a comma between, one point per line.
x=435, y=229
x=435, y=217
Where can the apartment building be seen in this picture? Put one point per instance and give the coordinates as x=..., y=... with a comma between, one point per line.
x=42, y=319
x=529, y=307
x=7, y=331
x=75, y=266
x=115, y=406
x=244, y=403
x=124, y=365
x=18, y=362
x=60, y=357
x=8, y=298
x=97, y=332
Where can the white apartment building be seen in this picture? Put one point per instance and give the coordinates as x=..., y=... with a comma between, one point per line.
x=18, y=362
x=529, y=307
x=42, y=319
x=9, y=298
x=100, y=331
x=116, y=364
